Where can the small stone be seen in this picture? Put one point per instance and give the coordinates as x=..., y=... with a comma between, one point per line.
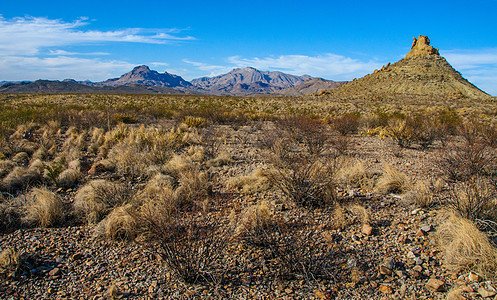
x=288, y=290
x=351, y=263
x=418, y=268
x=435, y=285
x=418, y=261
x=367, y=229
x=414, y=212
x=474, y=277
x=411, y=255
x=385, y=289
x=54, y=272
x=486, y=293
x=385, y=270
x=427, y=228
x=416, y=274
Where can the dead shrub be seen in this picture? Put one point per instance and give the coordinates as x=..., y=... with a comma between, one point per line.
x=466, y=248
x=98, y=198
x=44, y=208
x=462, y=162
x=346, y=124
x=191, y=249
x=475, y=200
x=392, y=181
x=400, y=130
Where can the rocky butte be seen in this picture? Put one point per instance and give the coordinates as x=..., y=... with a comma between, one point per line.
x=423, y=72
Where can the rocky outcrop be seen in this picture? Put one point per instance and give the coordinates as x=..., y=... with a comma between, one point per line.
x=421, y=46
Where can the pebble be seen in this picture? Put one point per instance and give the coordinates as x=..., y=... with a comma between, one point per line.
x=486, y=293
x=435, y=285
x=385, y=289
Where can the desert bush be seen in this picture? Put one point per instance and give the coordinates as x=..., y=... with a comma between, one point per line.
x=308, y=184
x=98, y=198
x=401, y=131
x=461, y=162
x=255, y=182
x=195, y=122
x=466, y=248
x=196, y=153
x=312, y=133
x=43, y=208
x=191, y=249
x=421, y=194
x=475, y=200
x=125, y=118
x=346, y=124
x=392, y=181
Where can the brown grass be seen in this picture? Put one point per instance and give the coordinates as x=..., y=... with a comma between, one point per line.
x=98, y=198
x=257, y=181
x=466, y=248
x=392, y=181
x=254, y=221
x=353, y=174
x=21, y=177
x=421, y=194
x=9, y=262
x=119, y=224
x=44, y=208
x=69, y=178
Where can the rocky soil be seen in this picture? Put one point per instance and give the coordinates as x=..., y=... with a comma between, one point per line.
x=397, y=257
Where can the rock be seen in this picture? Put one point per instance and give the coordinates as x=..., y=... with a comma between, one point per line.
x=367, y=229
x=351, y=263
x=418, y=268
x=385, y=270
x=418, y=261
x=421, y=47
x=486, y=293
x=411, y=255
x=427, y=228
x=414, y=212
x=416, y=274
x=54, y=272
x=420, y=233
x=385, y=289
x=435, y=285
x=474, y=277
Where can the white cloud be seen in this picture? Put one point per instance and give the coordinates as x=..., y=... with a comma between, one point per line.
x=60, y=67
x=29, y=35
x=63, y=52
x=478, y=66
x=329, y=66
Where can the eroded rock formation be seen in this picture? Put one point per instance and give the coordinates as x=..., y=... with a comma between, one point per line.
x=421, y=46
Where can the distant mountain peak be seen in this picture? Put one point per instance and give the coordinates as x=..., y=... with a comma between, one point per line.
x=144, y=76
x=142, y=68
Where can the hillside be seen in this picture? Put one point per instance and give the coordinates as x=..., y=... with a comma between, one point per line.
x=142, y=75
x=422, y=72
x=311, y=86
x=248, y=80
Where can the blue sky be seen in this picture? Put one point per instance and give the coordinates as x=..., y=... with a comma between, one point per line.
x=336, y=40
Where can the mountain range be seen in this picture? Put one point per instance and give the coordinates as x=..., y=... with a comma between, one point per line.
x=143, y=80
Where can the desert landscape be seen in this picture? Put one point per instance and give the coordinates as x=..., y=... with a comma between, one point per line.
x=380, y=188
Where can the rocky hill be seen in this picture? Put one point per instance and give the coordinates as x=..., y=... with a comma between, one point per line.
x=422, y=72
x=311, y=86
x=62, y=87
x=247, y=81
x=142, y=75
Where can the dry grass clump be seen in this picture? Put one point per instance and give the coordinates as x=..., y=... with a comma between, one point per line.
x=6, y=166
x=9, y=262
x=466, y=248
x=120, y=224
x=195, y=122
x=129, y=160
x=98, y=198
x=421, y=194
x=21, y=177
x=44, y=208
x=392, y=181
x=10, y=213
x=361, y=212
x=97, y=139
x=254, y=222
x=21, y=158
x=257, y=181
x=196, y=153
x=222, y=159
x=353, y=174
x=69, y=178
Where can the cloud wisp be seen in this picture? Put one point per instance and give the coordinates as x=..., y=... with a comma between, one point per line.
x=478, y=66
x=329, y=66
x=30, y=35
